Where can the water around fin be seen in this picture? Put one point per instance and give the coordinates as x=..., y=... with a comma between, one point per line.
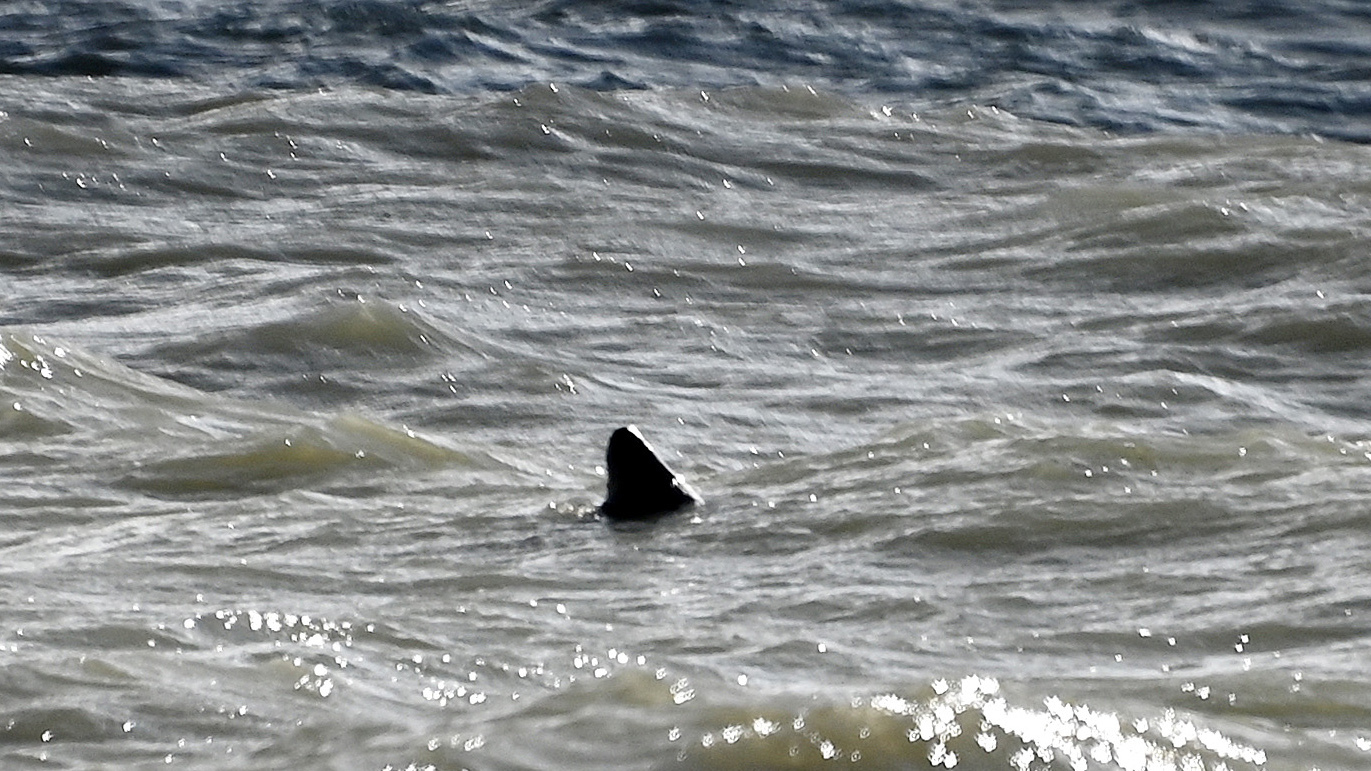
x=640, y=484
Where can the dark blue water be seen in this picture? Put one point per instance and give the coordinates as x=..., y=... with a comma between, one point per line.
x=1272, y=66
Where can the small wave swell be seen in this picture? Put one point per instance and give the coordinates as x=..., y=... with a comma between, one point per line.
x=170, y=440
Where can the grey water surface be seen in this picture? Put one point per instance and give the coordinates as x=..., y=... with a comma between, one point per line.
x=1032, y=436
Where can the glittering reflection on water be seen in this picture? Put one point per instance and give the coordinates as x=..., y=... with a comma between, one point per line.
x=475, y=710
x=969, y=723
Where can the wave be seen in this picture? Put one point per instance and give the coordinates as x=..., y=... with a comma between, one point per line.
x=352, y=330
x=162, y=438
x=1014, y=485
x=662, y=721
x=1121, y=67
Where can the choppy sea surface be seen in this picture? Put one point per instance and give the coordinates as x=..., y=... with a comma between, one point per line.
x=1018, y=349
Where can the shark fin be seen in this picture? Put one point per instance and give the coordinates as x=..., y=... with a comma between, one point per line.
x=641, y=486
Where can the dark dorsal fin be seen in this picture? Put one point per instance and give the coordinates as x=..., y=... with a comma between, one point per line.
x=640, y=484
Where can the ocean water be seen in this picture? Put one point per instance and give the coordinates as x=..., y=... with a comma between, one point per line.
x=1017, y=349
